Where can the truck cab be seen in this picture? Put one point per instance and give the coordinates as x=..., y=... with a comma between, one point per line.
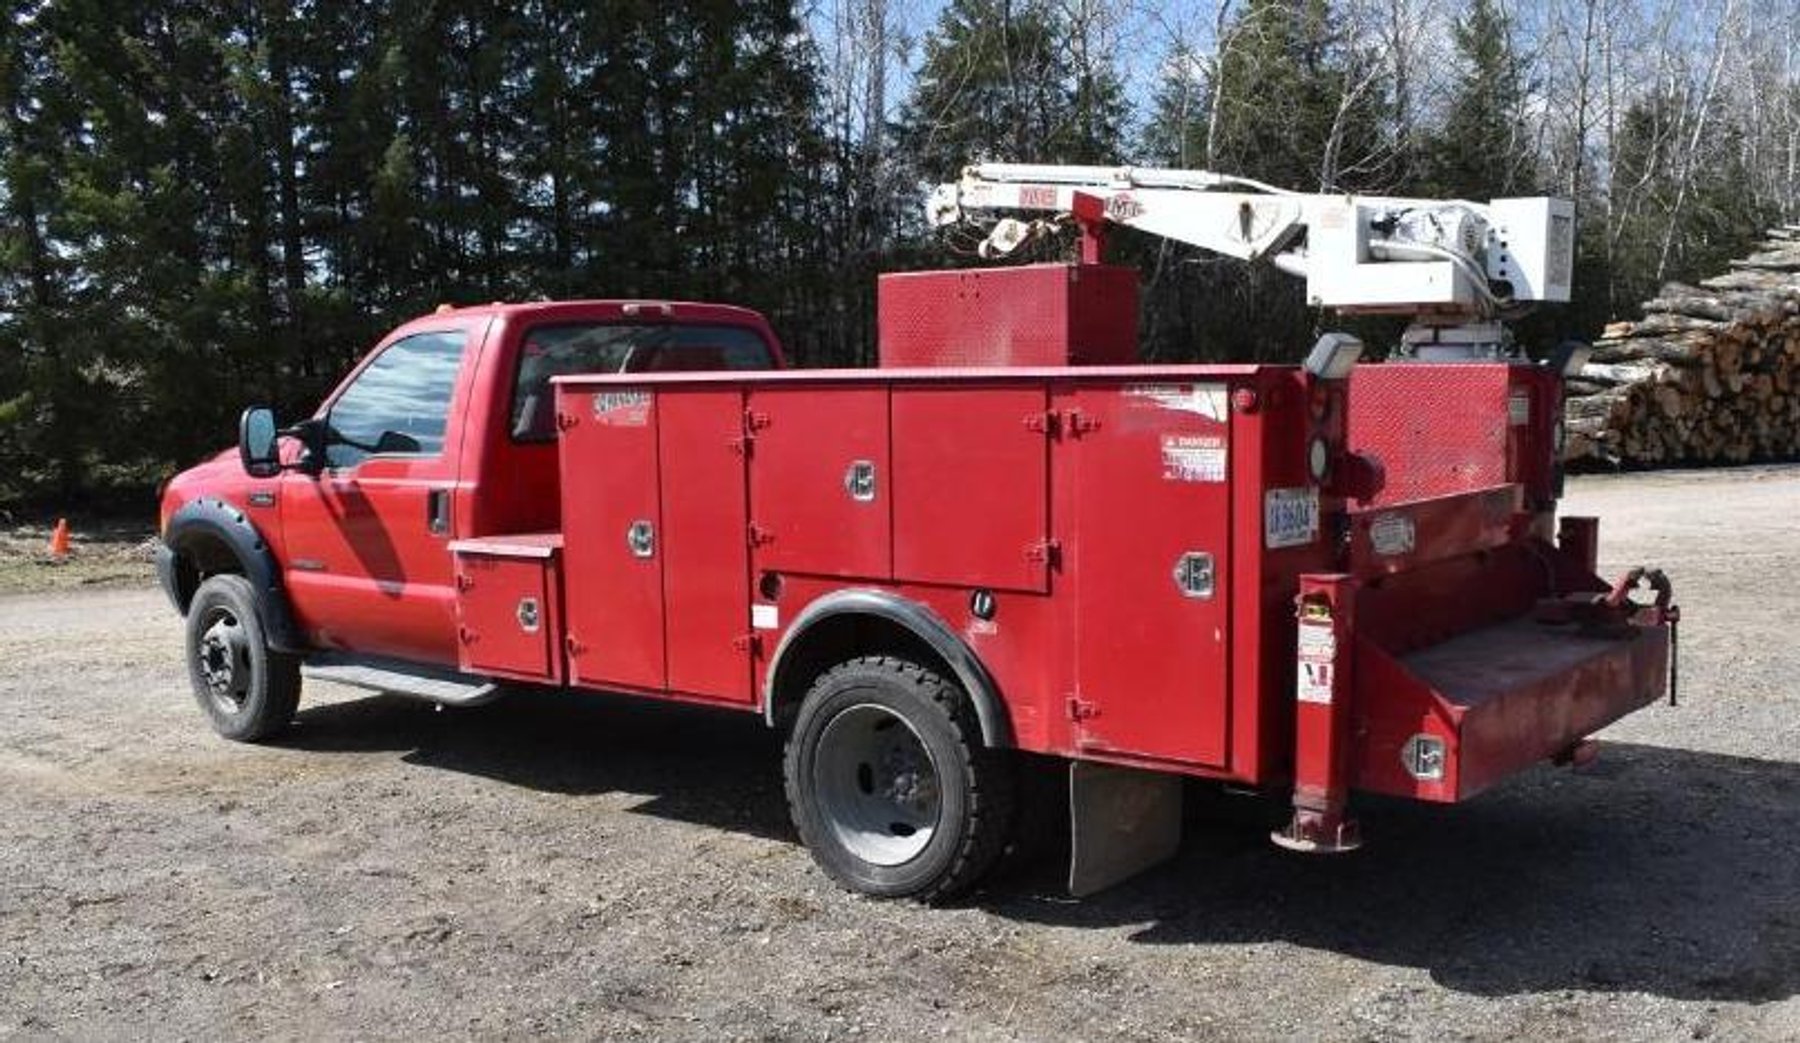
x=446, y=430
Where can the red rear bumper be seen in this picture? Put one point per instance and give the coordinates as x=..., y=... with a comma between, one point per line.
x=1461, y=647
x=1499, y=699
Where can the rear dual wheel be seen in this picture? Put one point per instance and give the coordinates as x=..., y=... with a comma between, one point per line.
x=890, y=785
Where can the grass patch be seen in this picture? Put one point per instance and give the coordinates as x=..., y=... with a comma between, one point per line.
x=102, y=554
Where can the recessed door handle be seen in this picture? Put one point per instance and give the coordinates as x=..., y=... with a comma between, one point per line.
x=437, y=511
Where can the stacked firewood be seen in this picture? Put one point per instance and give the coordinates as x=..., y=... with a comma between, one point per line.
x=1710, y=374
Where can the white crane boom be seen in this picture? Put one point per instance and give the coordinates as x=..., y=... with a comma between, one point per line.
x=1454, y=266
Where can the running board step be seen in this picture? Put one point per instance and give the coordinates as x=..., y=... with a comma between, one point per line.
x=399, y=677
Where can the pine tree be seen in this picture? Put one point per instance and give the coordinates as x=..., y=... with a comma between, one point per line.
x=1482, y=150
x=1298, y=103
x=1175, y=132
x=1001, y=80
x=37, y=392
x=1287, y=100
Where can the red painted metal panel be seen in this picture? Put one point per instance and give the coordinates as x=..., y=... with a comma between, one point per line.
x=1034, y=315
x=1536, y=459
x=820, y=485
x=1408, y=535
x=1502, y=698
x=1436, y=601
x=610, y=493
x=1150, y=462
x=1435, y=428
x=1441, y=428
x=1535, y=697
x=1269, y=436
x=706, y=557
x=505, y=623
x=971, y=486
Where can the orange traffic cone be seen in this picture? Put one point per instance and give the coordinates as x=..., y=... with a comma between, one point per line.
x=59, y=540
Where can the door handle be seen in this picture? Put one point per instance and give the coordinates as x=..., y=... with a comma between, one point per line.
x=437, y=511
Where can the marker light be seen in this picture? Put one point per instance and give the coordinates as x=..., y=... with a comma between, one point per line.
x=1318, y=458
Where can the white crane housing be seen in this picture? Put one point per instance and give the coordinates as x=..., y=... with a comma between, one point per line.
x=1458, y=268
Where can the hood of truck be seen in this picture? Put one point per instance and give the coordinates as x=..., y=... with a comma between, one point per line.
x=220, y=476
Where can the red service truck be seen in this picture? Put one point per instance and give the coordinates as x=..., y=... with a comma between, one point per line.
x=1314, y=580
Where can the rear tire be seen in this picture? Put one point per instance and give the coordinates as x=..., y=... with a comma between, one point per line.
x=248, y=690
x=889, y=784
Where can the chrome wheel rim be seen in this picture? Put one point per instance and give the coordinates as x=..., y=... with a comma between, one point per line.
x=877, y=785
x=224, y=661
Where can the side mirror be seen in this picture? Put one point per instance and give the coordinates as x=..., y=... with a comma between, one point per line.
x=257, y=442
x=396, y=442
x=313, y=434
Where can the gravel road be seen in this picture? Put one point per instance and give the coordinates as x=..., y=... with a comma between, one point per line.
x=579, y=866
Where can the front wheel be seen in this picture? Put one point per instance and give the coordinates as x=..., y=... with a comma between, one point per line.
x=889, y=783
x=248, y=690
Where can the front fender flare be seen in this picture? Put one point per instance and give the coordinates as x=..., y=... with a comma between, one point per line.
x=211, y=520
x=922, y=623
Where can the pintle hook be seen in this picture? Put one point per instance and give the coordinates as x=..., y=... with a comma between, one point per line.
x=1614, y=614
x=1663, y=610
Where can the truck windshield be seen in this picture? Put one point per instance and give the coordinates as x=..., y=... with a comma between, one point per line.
x=554, y=351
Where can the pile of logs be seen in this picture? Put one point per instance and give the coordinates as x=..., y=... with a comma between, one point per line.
x=1711, y=374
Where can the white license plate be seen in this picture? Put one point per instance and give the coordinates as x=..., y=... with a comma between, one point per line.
x=1290, y=517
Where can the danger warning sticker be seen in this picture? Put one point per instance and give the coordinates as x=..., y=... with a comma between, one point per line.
x=1315, y=683
x=1318, y=650
x=1193, y=458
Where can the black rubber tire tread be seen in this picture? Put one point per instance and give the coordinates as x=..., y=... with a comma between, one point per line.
x=274, y=692
x=987, y=777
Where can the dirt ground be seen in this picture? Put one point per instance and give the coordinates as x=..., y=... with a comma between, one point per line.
x=580, y=866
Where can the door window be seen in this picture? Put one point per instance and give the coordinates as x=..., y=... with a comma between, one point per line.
x=400, y=403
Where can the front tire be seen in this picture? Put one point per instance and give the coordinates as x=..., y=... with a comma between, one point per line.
x=248, y=690
x=889, y=784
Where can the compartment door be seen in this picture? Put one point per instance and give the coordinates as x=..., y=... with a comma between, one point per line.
x=505, y=619
x=612, y=536
x=820, y=487
x=1149, y=559
x=706, y=555
x=971, y=486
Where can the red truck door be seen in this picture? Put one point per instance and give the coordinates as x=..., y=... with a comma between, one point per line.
x=1148, y=561
x=369, y=569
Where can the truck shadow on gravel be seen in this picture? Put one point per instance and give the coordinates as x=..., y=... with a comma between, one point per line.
x=1656, y=870
x=706, y=767
x=1663, y=871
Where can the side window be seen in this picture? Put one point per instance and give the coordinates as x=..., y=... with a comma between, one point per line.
x=560, y=350
x=400, y=403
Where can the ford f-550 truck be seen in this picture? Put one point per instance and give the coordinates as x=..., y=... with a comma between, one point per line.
x=1310, y=579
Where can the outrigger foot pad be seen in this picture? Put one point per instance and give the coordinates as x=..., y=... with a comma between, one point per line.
x=1314, y=834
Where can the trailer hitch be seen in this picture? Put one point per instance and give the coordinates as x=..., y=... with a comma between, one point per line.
x=1615, y=614
x=1620, y=595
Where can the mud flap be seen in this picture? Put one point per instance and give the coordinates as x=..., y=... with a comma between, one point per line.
x=1122, y=821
